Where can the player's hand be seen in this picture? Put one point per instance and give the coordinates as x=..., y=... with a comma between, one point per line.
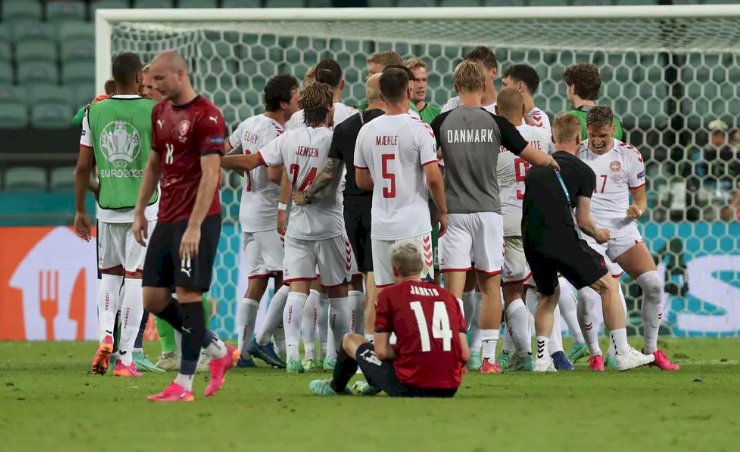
x=603, y=236
x=282, y=221
x=189, y=243
x=554, y=164
x=442, y=224
x=140, y=229
x=82, y=226
x=634, y=212
x=299, y=198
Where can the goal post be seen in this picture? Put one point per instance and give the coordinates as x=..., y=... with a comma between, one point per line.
x=667, y=71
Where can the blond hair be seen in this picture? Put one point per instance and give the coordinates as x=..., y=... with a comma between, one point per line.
x=510, y=102
x=316, y=99
x=372, y=88
x=406, y=258
x=415, y=63
x=386, y=58
x=566, y=127
x=469, y=77
x=310, y=76
x=146, y=68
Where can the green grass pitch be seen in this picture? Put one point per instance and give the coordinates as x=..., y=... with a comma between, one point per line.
x=50, y=402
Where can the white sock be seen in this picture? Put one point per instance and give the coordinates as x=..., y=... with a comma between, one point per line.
x=489, y=338
x=569, y=309
x=278, y=339
x=178, y=343
x=292, y=315
x=324, y=325
x=370, y=337
x=132, y=310
x=619, y=339
x=216, y=348
x=338, y=321
x=532, y=300
x=309, y=323
x=469, y=306
x=273, y=316
x=186, y=381
x=109, y=300
x=612, y=351
x=556, y=336
x=507, y=342
x=542, y=347
x=588, y=319
x=246, y=318
x=357, y=311
x=517, y=321
x=476, y=340
x=652, y=304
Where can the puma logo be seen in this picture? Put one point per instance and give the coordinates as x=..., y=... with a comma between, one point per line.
x=214, y=119
x=186, y=271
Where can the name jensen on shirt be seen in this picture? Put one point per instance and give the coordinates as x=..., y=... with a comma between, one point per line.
x=305, y=151
x=424, y=291
x=471, y=136
x=386, y=140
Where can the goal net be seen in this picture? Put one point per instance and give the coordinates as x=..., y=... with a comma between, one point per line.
x=668, y=72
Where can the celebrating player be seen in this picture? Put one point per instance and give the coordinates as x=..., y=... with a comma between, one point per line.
x=552, y=244
x=620, y=173
x=486, y=59
x=431, y=347
x=395, y=157
x=115, y=133
x=263, y=246
x=524, y=78
x=187, y=144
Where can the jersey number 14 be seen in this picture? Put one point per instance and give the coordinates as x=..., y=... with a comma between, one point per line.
x=295, y=170
x=440, y=325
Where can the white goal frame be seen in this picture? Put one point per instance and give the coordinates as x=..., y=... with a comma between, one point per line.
x=105, y=19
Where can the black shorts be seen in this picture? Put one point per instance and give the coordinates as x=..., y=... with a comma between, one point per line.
x=162, y=266
x=357, y=224
x=381, y=375
x=573, y=258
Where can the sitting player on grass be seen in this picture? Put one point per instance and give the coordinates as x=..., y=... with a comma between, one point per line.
x=431, y=348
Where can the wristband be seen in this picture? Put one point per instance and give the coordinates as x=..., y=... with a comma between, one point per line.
x=282, y=206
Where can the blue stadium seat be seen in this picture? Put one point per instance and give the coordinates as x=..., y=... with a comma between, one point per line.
x=38, y=72
x=62, y=179
x=25, y=178
x=242, y=4
x=13, y=116
x=18, y=10
x=66, y=11
x=51, y=115
x=35, y=51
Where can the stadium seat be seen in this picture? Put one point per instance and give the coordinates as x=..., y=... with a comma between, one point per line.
x=242, y=4
x=459, y=3
x=284, y=3
x=35, y=51
x=82, y=93
x=153, y=4
x=34, y=31
x=10, y=94
x=62, y=179
x=381, y=3
x=78, y=72
x=38, y=72
x=6, y=72
x=197, y=4
x=16, y=10
x=107, y=4
x=66, y=11
x=5, y=53
x=51, y=115
x=78, y=50
x=76, y=30
x=13, y=116
x=4, y=32
x=25, y=178
x=416, y=3
x=50, y=93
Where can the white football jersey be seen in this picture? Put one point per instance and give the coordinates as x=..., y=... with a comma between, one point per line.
x=454, y=102
x=341, y=112
x=540, y=119
x=617, y=171
x=304, y=153
x=260, y=197
x=395, y=149
x=510, y=172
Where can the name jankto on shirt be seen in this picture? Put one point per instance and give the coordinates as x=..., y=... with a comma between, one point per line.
x=471, y=136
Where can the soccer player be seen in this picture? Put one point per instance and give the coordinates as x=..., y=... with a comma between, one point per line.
x=620, y=174
x=395, y=157
x=486, y=59
x=427, y=112
x=376, y=63
x=582, y=86
x=357, y=202
x=115, y=134
x=552, y=244
x=524, y=78
x=315, y=236
x=263, y=246
x=431, y=348
x=470, y=139
x=187, y=144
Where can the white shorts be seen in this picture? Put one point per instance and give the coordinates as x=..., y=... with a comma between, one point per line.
x=516, y=269
x=472, y=237
x=621, y=241
x=118, y=247
x=331, y=258
x=264, y=253
x=382, y=258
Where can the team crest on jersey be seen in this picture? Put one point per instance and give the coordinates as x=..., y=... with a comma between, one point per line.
x=120, y=142
x=183, y=129
x=615, y=166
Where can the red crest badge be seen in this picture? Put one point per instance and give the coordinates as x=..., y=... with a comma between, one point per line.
x=615, y=166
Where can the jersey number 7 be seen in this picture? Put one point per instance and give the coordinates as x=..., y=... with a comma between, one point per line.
x=440, y=325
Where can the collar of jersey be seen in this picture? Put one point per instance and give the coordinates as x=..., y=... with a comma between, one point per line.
x=126, y=96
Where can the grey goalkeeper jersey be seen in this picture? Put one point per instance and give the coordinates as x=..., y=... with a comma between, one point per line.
x=471, y=139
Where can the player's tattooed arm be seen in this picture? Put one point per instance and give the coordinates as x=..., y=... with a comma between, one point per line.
x=332, y=172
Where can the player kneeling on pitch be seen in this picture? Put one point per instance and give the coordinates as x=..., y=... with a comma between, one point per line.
x=431, y=348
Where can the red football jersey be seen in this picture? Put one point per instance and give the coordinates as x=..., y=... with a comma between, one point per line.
x=427, y=321
x=181, y=135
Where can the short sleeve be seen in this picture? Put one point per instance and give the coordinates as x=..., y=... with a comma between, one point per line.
x=360, y=161
x=383, y=320
x=210, y=132
x=588, y=181
x=235, y=139
x=636, y=175
x=86, y=140
x=271, y=154
x=340, y=140
x=427, y=144
x=511, y=139
x=436, y=126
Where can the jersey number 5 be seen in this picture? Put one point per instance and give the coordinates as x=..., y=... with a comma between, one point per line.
x=295, y=170
x=440, y=325
x=390, y=191
x=521, y=167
